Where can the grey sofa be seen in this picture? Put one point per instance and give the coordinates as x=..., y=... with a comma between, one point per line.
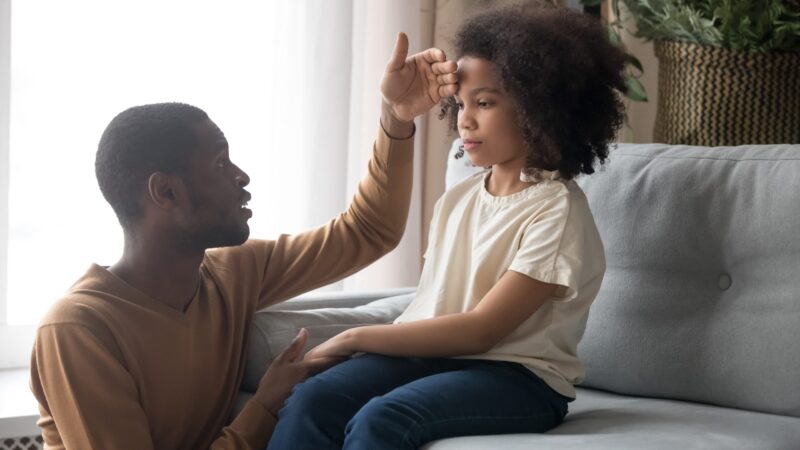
x=694, y=339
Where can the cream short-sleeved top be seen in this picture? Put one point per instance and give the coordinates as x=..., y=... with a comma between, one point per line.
x=546, y=232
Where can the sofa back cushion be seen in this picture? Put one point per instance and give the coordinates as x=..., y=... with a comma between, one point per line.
x=701, y=298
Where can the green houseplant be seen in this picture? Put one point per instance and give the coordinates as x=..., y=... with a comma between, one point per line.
x=729, y=70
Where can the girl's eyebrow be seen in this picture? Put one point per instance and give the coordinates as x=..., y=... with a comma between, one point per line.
x=479, y=90
x=484, y=89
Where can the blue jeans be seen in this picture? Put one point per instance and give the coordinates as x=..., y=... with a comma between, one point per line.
x=381, y=402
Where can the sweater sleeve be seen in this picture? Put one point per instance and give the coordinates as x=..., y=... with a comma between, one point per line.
x=250, y=429
x=371, y=227
x=77, y=380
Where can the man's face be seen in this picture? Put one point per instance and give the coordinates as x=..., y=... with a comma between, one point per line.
x=217, y=215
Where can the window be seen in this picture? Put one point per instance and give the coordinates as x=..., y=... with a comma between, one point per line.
x=74, y=65
x=294, y=86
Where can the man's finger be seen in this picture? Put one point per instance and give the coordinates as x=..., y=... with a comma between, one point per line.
x=398, y=59
x=449, y=78
x=295, y=347
x=433, y=55
x=441, y=68
x=448, y=90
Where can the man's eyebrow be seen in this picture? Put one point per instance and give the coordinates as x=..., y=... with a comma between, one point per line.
x=221, y=146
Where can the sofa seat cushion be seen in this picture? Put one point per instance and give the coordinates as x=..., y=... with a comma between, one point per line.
x=602, y=420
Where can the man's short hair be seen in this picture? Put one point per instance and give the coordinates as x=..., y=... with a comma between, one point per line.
x=138, y=142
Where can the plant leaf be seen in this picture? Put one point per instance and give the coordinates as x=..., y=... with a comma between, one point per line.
x=634, y=61
x=634, y=89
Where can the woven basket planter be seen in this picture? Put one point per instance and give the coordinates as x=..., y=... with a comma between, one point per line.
x=713, y=96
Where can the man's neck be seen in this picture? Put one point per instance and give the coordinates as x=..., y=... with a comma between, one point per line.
x=163, y=272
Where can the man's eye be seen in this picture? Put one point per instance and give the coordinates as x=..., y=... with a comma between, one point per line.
x=459, y=105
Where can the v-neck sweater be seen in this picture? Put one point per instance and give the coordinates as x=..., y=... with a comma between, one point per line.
x=115, y=369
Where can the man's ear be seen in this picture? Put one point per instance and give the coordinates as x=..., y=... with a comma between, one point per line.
x=164, y=190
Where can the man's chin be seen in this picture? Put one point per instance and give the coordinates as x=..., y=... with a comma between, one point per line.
x=239, y=238
x=225, y=237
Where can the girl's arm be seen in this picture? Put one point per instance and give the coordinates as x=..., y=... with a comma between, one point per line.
x=510, y=302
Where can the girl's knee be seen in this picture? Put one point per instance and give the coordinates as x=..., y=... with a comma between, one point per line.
x=383, y=421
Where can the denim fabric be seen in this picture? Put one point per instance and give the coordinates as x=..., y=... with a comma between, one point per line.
x=380, y=402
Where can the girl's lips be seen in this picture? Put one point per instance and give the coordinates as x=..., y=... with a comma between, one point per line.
x=471, y=145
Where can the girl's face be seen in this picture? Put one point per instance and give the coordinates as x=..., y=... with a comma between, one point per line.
x=487, y=116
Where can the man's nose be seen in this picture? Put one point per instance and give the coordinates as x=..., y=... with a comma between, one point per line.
x=242, y=179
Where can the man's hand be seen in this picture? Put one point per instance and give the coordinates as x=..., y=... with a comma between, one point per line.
x=413, y=85
x=286, y=371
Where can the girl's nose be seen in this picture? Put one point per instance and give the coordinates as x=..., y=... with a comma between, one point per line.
x=465, y=120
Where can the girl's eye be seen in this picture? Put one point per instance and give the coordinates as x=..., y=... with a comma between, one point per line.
x=484, y=104
x=459, y=105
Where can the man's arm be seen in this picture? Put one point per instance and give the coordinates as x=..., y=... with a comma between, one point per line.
x=87, y=398
x=376, y=218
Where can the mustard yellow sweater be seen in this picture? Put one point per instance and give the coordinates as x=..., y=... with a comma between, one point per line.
x=114, y=369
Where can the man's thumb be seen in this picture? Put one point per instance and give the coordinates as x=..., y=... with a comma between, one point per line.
x=294, y=349
x=398, y=59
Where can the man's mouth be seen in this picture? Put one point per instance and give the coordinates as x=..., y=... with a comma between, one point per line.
x=243, y=205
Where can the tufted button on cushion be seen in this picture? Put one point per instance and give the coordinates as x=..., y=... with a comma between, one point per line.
x=724, y=282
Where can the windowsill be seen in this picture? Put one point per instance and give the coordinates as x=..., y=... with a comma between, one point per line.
x=18, y=408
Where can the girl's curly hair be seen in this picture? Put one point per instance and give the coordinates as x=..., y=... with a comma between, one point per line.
x=564, y=75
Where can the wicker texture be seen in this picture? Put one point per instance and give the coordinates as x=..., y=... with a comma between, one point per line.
x=712, y=96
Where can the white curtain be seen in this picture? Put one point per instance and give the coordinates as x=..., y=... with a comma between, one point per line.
x=375, y=27
x=352, y=41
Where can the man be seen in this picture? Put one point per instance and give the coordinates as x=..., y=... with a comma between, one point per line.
x=149, y=353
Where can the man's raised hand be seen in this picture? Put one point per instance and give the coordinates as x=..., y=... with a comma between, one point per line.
x=414, y=84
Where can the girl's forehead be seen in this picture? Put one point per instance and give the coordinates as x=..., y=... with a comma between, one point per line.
x=474, y=71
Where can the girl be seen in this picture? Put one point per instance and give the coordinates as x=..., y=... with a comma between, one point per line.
x=514, y=259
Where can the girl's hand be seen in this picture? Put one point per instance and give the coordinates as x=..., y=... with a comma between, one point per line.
x=339, y=346
x=413, y=85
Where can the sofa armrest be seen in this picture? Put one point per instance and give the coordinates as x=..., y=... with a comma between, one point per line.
x=324, y=315
x=338, y=299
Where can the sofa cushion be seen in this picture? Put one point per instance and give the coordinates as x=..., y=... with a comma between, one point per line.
x=273, y=329
x=701, y=299
x=601, y=420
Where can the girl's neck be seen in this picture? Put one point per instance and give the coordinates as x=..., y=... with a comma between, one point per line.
x=504, y=179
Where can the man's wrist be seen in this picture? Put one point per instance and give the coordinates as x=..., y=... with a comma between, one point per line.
x=270, y=405
x=394, y=127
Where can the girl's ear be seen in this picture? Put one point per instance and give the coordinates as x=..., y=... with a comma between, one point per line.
x=165, y=191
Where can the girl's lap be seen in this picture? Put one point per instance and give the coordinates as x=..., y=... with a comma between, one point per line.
x=440, y=388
